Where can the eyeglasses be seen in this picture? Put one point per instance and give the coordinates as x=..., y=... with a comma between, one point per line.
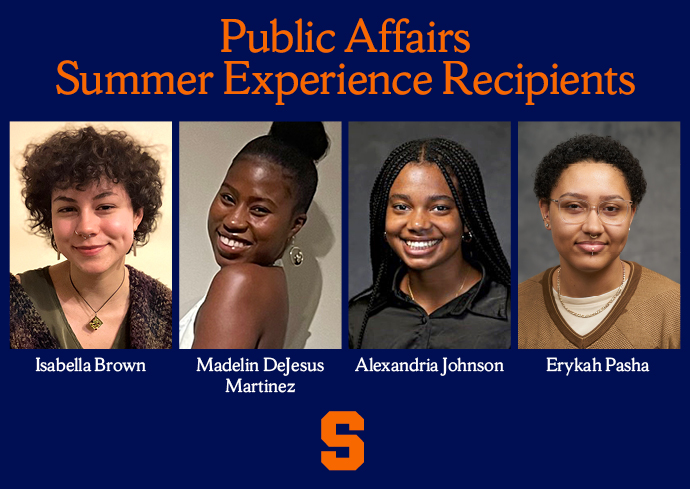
x=576, y=211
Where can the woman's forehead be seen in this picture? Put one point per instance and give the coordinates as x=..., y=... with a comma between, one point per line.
x=423, y=177
x=592, y=180
x=104, y=185
x=256, y=174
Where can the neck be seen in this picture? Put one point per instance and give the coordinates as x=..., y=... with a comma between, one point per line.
x=97, y=285
x=440, y=285
x=578, y=283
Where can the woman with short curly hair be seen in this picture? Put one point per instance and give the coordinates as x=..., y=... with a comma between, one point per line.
x=589, y=189
x=96, y=195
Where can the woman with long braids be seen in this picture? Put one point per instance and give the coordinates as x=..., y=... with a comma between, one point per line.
x=441, y=279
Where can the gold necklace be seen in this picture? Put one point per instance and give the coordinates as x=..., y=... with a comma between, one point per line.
x=409, y=285
x=620, y=288
x=96, y=322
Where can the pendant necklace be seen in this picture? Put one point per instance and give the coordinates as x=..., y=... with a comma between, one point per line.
x=96, y=323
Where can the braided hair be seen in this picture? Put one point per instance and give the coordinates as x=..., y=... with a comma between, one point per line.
x=454, y=161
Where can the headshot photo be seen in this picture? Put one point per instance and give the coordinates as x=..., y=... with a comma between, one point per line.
x=599, y=235
x=429, y=235
x=260, y=227
x=90, y=235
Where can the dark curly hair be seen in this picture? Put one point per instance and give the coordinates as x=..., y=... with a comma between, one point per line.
x=589, y=148
x=455, y=162
x=79, y=157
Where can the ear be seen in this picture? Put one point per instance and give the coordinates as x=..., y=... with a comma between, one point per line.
x=633, y=210
x=544, y=206
x=138, y=216
x=297, y=224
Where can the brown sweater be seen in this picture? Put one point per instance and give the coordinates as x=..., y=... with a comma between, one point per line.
x=647, y=315
x=150, y=316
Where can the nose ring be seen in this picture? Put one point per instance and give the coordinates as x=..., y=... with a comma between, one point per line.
x=84, y=236
x=593, y=236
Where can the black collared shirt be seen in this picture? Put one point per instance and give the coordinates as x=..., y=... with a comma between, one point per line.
x=479, y=318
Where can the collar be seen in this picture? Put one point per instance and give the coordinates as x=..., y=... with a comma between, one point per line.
x=618, y=308
x=485, y=298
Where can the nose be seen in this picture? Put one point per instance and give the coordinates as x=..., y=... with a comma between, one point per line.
x=418, y=221
x=593, y=224
x=236, y=219
x=88, y=224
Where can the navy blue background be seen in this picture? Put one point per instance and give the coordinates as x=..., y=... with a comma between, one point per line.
x=173, y=425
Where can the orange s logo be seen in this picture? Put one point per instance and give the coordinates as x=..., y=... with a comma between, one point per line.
x=332, y=439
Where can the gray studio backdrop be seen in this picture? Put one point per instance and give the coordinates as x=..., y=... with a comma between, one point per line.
x=654, y=240
x=370, y=143
x=315, y=288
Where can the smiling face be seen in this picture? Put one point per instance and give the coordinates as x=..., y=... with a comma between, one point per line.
x=94, y=228
x=252, y=218
x=423, y=223
x=591, y=245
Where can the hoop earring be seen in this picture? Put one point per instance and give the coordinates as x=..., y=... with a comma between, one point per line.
x=296, y=255
x=52, y=242
x=467, y=237
x=133, y=248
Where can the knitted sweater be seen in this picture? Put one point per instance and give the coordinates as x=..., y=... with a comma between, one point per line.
x=646, y=315
x=150, y=316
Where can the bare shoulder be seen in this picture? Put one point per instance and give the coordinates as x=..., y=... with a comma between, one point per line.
x=235, y=279
x=246, y=307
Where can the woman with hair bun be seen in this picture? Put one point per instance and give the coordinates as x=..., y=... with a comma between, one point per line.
x=441, y=279
x=260, y=207
x=96, y=195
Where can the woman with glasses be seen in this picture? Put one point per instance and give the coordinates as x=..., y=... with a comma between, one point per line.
x=589, y=189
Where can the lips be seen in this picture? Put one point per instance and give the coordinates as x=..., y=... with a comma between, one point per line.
x=89, y=250
x=419, y=247
x=232, y=244
x=591, y=246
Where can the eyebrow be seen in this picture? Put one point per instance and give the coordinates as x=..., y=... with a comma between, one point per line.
x=603, y=198
x=431, y=198
x=251, y=199
x=441, y=197
x=102, y=195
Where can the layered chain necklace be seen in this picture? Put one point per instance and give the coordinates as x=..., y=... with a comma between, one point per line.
x=618, y=292
x=96, y=322
x=409, y=285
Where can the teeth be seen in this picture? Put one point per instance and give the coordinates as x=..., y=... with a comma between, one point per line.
x=232, y=242
x=418, y=245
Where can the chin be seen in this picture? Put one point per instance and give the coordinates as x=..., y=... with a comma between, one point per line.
x=222, y=260
x=588, y=263
x=95, y=267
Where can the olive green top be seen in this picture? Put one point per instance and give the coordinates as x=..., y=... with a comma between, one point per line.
x=39, y=287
